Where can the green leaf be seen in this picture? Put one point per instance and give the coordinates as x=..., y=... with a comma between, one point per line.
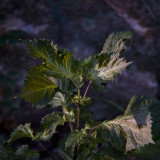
x=114, y=67
x=37, y=87
x=59, y=100
x=48, y=127
x=63, y=65
x=115, y=42
x=75, y=138
x=60, y=63
x=136, y=123
x=25, y=153
x=69, y=113
x=89, y=68
x=41, y=49
x=66, y=86
x=21, y=131
x=65, y=153
x=6, y=152
x=153, y=107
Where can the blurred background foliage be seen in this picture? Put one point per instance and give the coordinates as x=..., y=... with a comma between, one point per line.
x=81, y=26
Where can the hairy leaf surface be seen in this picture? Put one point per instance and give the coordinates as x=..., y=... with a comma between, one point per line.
x=75, y=138
x=21, y=131
x=37, y=86
x=114, y=67
x=25, y=153
x=136, y=125
x=49, y=124
x=153, y=107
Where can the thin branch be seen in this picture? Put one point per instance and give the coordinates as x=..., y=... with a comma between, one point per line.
x=44, y=148
x=94, y=128
x=70, y=125
x=74, y=82
x=78, y=109
x=87, y=89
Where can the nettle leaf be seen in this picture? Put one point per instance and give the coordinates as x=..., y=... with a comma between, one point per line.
x=114, y=67
x=22, y=131
x=49, y=124
x=115, y=42
x=60, y=63
x=63, y=67
x=153, y=107
x=65, y=153
x=136, y=123
x=6, y=152
x=75, y=138
x=37, y=87
x=69, y=113
x=41, y=49
x=66, y=86
x=89, y=68
x=60, y=100
x=25, y=153
x=109, y=62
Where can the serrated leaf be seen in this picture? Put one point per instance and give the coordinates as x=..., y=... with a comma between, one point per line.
x=60, y=63
x=60, y=100
x=49, y=124
x=6, y=152
x=136, y=125
x=153, y=107
x=75, y=138
x=37, y=87
x=65, y=153
x=62, y=67
x=21, y=131
x=89, y=67
x=115, y=42
x=66, y=86
x=25, y=153
x=69, y=113
x=114, y=67
x=41, y=49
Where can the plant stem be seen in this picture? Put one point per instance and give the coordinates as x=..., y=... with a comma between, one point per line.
x=70, y=125
x=94, y=128
x=78, y=123
x=44, y=148
x=87, y=89
x=78, y=109
x=73, y=82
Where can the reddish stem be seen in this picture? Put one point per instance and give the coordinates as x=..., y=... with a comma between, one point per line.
x=87, y=89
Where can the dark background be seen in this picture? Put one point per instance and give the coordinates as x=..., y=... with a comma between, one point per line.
x=81, y=26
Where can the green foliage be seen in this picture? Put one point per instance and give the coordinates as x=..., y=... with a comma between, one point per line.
x=23, y=152
x=49, y=124
x=21, y=131
x=75, y=138
x=58, y=80
x=115, y=66
x=36, y=86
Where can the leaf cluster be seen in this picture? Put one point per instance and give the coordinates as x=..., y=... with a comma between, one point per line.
x=58, y=80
